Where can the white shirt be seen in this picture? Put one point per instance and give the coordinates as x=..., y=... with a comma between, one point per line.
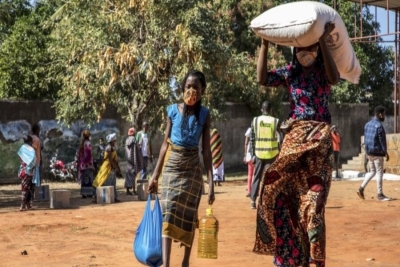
x=248, y=134
x=145, y=141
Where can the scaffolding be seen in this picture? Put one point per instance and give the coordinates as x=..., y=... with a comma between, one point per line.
x=389, y=6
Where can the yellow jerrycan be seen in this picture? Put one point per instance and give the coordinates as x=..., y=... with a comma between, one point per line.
x=208, y=236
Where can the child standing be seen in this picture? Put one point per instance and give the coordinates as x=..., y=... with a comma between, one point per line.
x=26, y=172
x=182, y=181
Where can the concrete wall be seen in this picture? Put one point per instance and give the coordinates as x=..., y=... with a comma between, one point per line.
x=35, y=111
x=231, y=131
x=232, y=134
x=393, y=143
x=350, y=119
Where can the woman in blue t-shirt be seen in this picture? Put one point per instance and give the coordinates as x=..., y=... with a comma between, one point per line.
x=291, y=208
x=182, y=180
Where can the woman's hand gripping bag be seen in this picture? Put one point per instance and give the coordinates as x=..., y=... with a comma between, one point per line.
x=147, y=245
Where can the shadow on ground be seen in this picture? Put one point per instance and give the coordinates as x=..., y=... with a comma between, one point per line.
x=10, y=200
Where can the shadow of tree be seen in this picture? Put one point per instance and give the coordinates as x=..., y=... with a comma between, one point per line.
x=10, y=200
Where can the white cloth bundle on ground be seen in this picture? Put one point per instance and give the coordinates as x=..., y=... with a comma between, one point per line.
x=300, y=24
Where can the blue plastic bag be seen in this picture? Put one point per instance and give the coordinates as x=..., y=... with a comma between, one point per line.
x=147, y=245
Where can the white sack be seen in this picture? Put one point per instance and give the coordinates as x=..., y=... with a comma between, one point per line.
x=300, y=24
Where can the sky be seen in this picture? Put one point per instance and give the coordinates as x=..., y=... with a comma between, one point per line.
x=385, y=28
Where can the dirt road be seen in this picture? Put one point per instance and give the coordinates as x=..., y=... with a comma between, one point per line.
x=101, y=235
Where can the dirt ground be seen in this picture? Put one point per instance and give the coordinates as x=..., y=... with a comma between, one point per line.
x=88, y=234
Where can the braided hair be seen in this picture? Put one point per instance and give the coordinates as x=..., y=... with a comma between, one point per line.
x=197, y=107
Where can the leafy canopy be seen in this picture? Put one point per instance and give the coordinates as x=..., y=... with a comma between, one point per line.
x=133, y=53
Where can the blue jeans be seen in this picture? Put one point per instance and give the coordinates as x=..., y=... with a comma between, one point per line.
x=143, y=173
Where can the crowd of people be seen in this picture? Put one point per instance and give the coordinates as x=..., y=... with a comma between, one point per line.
x=93, y=169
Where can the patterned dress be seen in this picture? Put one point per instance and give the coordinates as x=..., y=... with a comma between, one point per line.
x=294, y=190
x=27, y=187
x=106, y=175
x=86, y=169
x=134, y=161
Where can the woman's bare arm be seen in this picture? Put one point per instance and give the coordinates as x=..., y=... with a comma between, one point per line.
x=262, y=66
x=330, y=67
x=153, y=187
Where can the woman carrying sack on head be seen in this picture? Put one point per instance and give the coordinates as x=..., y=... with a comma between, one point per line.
x=182, y=180
x=291, y=210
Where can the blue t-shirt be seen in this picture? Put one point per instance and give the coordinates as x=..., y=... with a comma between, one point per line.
x=189, y=135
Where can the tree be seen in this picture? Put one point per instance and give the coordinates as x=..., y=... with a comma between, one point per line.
x=10, y=11
x=235, y=16
x=375, y=86
x=376, y=81
x=132, y=53
x=24, y=59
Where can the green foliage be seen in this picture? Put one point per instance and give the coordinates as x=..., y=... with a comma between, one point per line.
x=10, y=160
x=10, y=11
x=134, y=53
x=24, y=60
x=235, y=16
x=126, y=53
x=376, y=81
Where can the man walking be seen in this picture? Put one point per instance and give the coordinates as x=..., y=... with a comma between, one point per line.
x=336, y=148
x=265, y=146
x=376, y=149
x=144, y=141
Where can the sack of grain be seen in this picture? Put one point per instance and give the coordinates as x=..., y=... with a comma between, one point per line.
x=300, y=24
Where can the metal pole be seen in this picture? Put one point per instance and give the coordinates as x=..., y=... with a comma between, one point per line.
x=395, y=89
x=387, y=16
x=355, y=21
x=376, y=20
x=361, y=17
